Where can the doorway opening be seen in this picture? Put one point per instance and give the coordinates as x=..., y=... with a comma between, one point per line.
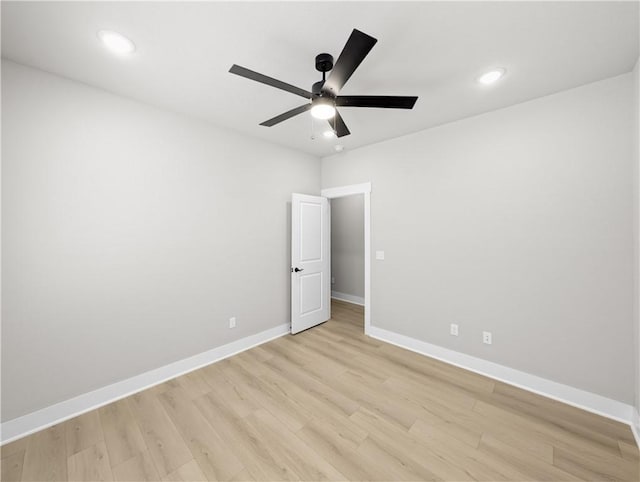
x=347, y=259
x=351, y=251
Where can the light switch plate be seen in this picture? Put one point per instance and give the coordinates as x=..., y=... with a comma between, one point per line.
x=379, y=254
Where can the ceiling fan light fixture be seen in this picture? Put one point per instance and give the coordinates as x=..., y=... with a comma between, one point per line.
x=492, y=76
x=323, y=108
x=323, y=111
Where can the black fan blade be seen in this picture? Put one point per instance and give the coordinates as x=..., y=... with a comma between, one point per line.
x=337, y=123
x=354, y=52
x=250, y=74
x=287, y=115
x=381, y=101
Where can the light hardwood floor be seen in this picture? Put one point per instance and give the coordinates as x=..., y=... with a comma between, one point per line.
x=329, y=403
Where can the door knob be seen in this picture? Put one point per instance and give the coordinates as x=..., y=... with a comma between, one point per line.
x=297, y=270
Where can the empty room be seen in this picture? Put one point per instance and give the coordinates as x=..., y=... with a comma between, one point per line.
x=372, y=241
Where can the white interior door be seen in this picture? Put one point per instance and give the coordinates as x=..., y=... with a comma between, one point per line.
x=310, y=261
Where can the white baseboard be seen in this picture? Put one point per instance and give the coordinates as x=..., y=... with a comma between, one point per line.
x=564, y=393
x=356, y=300
x=46, y=417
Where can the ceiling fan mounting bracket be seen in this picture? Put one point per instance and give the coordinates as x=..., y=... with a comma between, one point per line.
x=324, y=62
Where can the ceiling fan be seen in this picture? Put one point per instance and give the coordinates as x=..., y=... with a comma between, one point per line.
x=324, y=94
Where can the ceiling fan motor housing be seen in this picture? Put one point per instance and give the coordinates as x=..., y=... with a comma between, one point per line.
x=316, y=89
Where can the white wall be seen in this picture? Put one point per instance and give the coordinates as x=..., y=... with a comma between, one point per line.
x=636, y=229
x=130, y=236
x=347, y=246
x=516, y=222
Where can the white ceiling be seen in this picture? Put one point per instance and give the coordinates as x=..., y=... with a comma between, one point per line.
x=433, y=50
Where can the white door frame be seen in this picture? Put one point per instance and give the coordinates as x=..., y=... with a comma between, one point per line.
x=364, y=188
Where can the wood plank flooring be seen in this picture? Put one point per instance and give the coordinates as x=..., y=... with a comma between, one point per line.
x=329, y=404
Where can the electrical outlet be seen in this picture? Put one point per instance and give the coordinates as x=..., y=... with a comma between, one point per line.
x=454, y=329
x=232, y=322
x=486, y=338
x=333, y=280
x=380, y=255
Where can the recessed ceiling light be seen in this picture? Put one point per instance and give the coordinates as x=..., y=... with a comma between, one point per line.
x=116, y=42
x=339, y=148
x=491, y=76
x=329, y=134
